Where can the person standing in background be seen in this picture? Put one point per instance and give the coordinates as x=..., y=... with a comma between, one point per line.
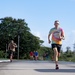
x=36, y=55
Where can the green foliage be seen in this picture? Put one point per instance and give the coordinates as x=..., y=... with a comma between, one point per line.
x=67, y=56
x=10, y=28
x=2, y=54
x=45, y=53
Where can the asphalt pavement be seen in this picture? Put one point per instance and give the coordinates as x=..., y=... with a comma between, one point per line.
x=28, y=67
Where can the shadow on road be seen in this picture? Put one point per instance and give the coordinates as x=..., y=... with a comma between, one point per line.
x=53, y=70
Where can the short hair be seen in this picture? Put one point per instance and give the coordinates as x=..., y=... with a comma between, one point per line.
x=56, y=21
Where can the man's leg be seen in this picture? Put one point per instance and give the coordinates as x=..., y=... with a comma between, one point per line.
x=59, y=48
x=56, y=57
x=58, y=54
x=11, y=56
x=55, y=54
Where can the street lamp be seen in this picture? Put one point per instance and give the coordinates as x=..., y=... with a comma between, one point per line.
x=19, y=32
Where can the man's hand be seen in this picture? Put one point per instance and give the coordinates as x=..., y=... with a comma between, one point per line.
x=62, y=38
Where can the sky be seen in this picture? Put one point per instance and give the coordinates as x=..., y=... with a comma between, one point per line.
x=40, y=16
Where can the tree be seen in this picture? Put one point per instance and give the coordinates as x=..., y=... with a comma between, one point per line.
x=10, y=28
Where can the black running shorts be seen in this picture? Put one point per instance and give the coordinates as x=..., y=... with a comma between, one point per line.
x=57, y=46
x=11, y=52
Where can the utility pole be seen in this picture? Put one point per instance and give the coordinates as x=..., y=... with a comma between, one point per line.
x=18, y=44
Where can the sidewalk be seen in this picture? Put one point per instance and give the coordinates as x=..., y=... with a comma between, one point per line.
x=4, y=60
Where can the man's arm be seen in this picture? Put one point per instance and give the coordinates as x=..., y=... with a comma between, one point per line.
x=15, y=45
x=62, y=37
x=49, y=41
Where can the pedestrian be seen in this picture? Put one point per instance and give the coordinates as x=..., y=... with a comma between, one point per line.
x=57, y=35
x=36, y=55
x=11, y=48
x=31, y=55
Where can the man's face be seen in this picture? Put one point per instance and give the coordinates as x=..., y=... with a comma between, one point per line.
x=12, y=41
x=56, y=24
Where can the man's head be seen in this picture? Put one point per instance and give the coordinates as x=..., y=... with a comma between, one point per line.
x=56, y=23
x=12, y=41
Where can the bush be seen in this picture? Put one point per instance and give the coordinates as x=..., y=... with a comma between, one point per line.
x=2, y=54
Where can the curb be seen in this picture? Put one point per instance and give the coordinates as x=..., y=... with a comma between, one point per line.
x=4, y=61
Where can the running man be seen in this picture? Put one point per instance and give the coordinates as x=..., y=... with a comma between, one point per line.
x=11, y=48
x=57, y=35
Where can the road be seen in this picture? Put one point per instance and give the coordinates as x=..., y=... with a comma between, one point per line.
x=27, y=67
